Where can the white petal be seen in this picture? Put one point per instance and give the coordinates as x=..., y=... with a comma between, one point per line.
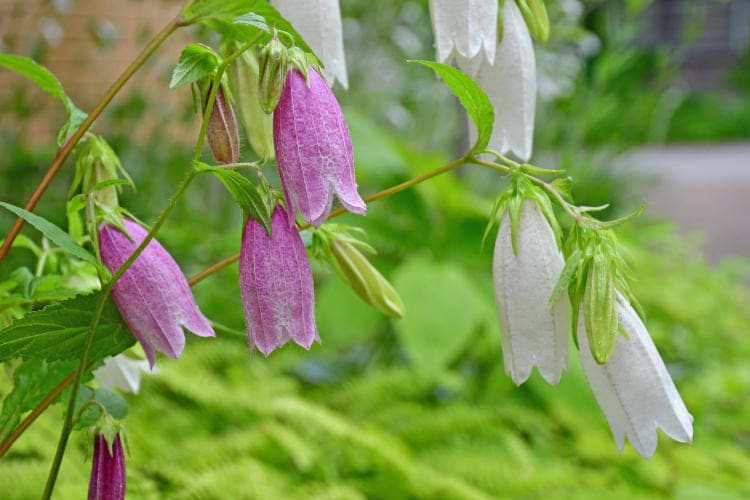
x=531, y=333
x=511, y=85
x=464, y=26
x=122, y=372
x=319, y=23
x=634, y=389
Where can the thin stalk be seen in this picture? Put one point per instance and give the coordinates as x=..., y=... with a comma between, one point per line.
x=70, y=143
x=107, y=289
x=218, y=266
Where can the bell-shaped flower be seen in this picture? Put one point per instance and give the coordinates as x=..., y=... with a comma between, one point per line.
x=313, y=149
x=466, y=29
x=510, y=83
x=633, y=388
x=107, y=469
x=319, y=23
x=532, y=333
x=276, y=285
x=122, y=372
x=153, y=296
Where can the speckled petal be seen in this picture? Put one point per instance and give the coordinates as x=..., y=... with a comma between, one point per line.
x=107, y=471
x=153, y=295
x=532, y=334
x=313, y=150
x=634, y=389
x=276, y=285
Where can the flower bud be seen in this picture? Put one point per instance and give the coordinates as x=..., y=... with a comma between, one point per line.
x=244, y=81
x=600, y=310
x=367, y=281
x=223, y=136
x=107, y=469
x=273, y=67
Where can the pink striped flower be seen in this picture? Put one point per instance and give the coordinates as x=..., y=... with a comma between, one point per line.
x=153, y=295
x=107, y=470
x=276, y=285
x=313, y=149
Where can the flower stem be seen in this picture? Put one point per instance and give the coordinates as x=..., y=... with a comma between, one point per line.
x=218, y=266
x=72, y=141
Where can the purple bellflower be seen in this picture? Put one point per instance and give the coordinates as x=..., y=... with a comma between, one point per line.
x=153, y=296
x=107, y=470
x=313, y=149
x=276, y=285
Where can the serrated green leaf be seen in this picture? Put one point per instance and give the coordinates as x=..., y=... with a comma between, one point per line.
x=240, y=19
x=472, y=98
x=195, y=63
x=32, y=381
x=51, y=231
x=617, y=222
x=246, y=194
x=252, y=19
x=58, y=332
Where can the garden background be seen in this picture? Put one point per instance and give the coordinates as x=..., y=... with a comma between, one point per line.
x=421, y=407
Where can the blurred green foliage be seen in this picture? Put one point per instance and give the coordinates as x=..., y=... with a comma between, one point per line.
x=419, y=408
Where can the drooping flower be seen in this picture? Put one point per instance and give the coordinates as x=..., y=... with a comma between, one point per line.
x=222, y=133
x=107, y=470
x=276, y=285
x=122, y=372
x=319, y=23
x=153, y=296
x=532, y=334
x=466, y=29
x=313, y=149
x=633, y=388
x=510, y=83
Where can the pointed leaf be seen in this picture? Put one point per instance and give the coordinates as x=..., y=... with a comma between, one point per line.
x=472, y=98
x=51, y=231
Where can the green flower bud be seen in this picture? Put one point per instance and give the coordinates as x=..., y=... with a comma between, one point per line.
x=600, y=309
x=364, y=279
x=223, y=136
x=244, y=81
x=273, y=67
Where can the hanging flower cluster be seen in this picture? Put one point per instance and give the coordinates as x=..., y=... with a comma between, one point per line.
x=541, y=296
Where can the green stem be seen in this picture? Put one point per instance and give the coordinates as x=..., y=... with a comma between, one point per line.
x=67, y=147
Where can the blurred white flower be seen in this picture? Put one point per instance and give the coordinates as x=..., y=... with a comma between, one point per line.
x=319, y=23
x=532, y=334
x=122, y=372
x=466, y=29
x=510, y=82
x=634, y=389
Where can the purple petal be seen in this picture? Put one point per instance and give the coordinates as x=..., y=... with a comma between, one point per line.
x=107, y=471
x=313, y=150
x=153, y=295
x=276, y=285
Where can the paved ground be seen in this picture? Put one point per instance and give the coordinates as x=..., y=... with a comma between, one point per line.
x=705, y=188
